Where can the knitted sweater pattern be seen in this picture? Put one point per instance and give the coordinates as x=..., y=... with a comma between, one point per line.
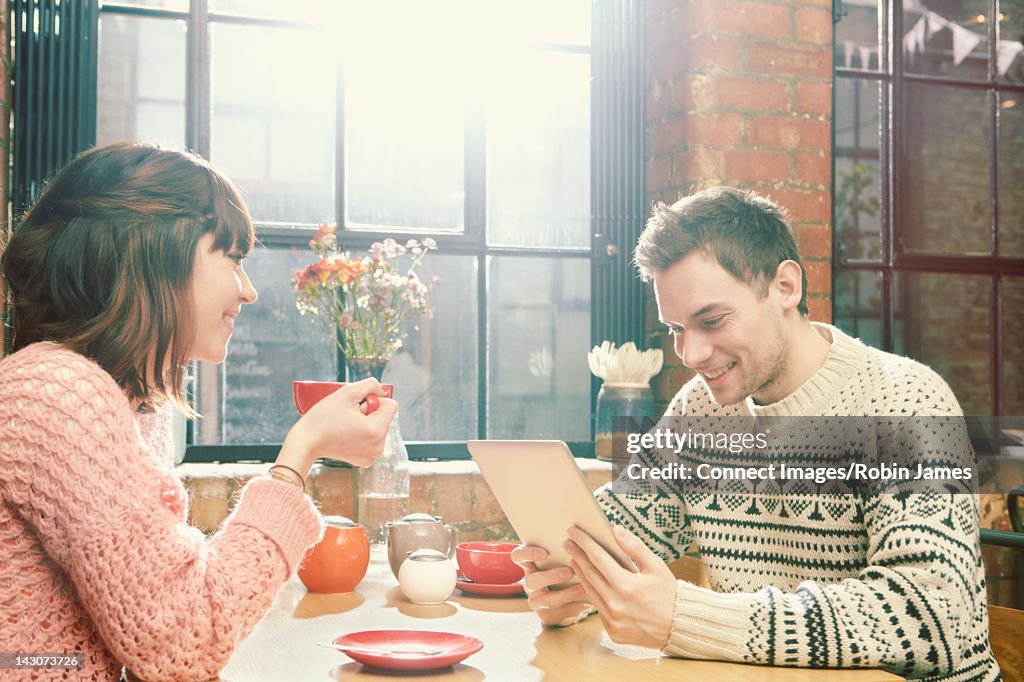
x=831, y=580
x=97, y=556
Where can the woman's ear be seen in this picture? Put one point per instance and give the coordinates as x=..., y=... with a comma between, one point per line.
x=788, y=284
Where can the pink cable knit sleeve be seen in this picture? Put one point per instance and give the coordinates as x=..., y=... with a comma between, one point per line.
x=168, y=602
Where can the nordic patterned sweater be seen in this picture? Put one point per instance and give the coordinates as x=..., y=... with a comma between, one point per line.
x=95, y=553
x=885, y=581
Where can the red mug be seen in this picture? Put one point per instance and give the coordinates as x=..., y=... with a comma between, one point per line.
x=309, y=393
x=488, y=562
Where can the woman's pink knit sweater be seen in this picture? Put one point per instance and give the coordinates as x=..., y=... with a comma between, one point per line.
x=95, y=552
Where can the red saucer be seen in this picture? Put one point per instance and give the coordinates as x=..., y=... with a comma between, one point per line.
x=490, y=590
x=407, y=649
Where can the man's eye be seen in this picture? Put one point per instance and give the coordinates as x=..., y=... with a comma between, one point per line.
x=675, y=331
x=713, y=322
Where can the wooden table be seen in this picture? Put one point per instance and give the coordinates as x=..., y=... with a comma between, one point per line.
x=516, y=647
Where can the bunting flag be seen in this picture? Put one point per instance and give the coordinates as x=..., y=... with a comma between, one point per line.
x=1008, y=51
x=913, y=41
x=964, y=42
x=865, y=53
x=935, y=23
x=848, y=53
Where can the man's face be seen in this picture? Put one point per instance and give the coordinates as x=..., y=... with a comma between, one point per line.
x=723, y=329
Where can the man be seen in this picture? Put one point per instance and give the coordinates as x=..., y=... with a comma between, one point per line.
x=893, y=581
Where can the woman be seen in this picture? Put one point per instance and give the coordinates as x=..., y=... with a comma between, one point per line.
x=127, y=268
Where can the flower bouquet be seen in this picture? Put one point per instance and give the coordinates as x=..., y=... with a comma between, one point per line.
x=362, y=301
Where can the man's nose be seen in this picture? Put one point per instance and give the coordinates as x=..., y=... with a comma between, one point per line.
x=693, y=349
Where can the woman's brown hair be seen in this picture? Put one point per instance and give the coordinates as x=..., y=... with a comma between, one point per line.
x=101, y=262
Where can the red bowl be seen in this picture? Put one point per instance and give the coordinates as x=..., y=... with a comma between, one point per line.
x=309, y=393
x=488, y=562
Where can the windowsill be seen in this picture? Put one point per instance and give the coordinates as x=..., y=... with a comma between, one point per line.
x=453, y=490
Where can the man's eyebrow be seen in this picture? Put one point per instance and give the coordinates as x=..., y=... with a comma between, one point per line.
x=703, y=311
x=708, y=308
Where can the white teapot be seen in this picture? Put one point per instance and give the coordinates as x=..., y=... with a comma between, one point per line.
x=427, y=576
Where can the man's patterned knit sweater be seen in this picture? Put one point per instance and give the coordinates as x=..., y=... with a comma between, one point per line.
x=889, y=581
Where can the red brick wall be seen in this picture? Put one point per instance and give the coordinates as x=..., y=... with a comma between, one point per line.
x=740, y=93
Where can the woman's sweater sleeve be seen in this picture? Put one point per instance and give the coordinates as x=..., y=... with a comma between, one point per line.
x=168, y=602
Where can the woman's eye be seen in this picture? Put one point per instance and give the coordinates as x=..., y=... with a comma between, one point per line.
x=237, y=257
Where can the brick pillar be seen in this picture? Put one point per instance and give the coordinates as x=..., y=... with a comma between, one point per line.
x=740, y=93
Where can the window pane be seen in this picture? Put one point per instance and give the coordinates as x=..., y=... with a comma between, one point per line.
x=947, y=38
x=436, y=372
x=538, y=150
x=177, y=5
x=1010, y=57
x=405, y=103
x=858, y=218
x=1011, y=175
x=949, y=328
x=141, y=80
x=293, y=10
x=272, y=345
x=947, y=192
x=1013, y=346
x=857, y=305
x=539, y=335
x=856, y=37
x=272, y=128
x=543, y=21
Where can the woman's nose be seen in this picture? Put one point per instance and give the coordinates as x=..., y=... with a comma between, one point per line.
x=248, y=293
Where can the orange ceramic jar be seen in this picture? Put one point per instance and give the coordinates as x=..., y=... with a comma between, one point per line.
x=338, y=562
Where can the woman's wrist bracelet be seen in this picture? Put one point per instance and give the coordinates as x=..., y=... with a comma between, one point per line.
x=283, y=472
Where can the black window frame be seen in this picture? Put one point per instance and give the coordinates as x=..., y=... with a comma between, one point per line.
x=893, y=80
x=618, y=207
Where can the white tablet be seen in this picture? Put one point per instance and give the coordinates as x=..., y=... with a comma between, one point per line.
x=543, y=493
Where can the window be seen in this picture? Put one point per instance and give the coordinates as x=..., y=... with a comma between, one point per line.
x=928, y=212
x=439, y=125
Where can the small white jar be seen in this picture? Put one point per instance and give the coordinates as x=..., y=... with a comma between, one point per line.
x=427, y=576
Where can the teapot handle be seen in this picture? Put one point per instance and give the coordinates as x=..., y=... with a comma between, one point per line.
x=453, y=540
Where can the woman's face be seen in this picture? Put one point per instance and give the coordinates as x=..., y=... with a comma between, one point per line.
x=220, y=288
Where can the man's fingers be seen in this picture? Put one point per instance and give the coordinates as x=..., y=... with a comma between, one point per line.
x=525, y=555
x=546, y=600
x=585, y=567
x=645, y=559
x=541, y=580
x=597, y=556
x=594, y=595
x=563, y=616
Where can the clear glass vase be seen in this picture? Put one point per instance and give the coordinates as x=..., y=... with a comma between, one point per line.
x=384, y=486
x=618, y=400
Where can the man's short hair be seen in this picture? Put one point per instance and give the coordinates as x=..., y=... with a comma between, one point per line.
x=746, y=233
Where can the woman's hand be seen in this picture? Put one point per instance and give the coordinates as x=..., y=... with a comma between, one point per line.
x=338, y=427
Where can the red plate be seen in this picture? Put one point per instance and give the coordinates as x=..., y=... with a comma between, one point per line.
x=407, y=649
x=490, y=590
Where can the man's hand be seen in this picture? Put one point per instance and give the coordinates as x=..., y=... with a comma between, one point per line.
x=636, y=608
x=554, y=607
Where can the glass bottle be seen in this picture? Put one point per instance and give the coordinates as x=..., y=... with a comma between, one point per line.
x=618, y=400
x=383, y=486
